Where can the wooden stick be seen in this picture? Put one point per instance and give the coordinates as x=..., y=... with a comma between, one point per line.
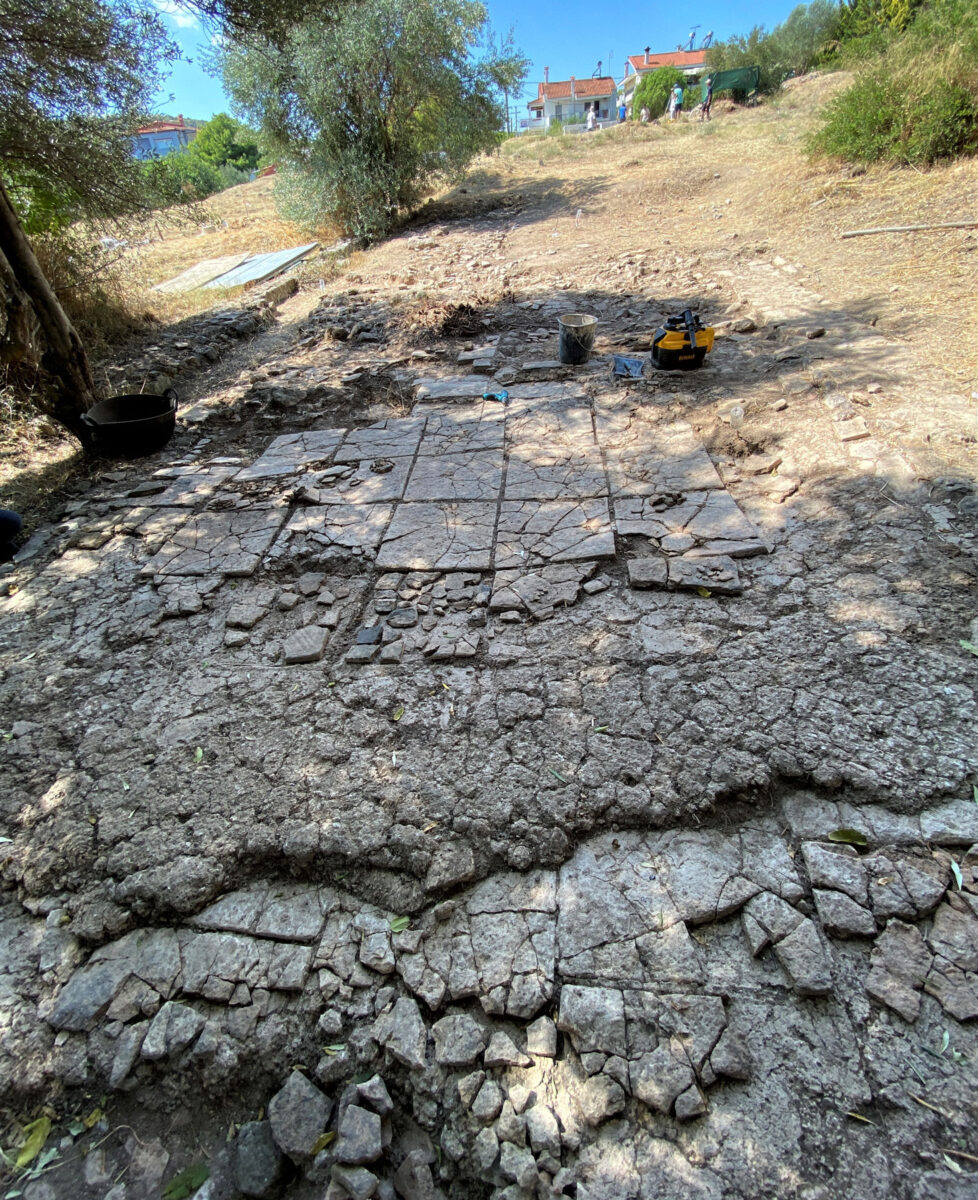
x=911, y=228
x=960, y=1154
x=920, y=1100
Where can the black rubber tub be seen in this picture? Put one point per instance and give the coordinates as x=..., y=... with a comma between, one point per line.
x=128, y=426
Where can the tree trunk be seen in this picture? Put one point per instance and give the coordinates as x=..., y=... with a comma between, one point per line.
x=64, y=357
x=16, y=336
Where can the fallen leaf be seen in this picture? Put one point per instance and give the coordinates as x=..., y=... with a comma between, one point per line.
x=851, y=837
x=430, y=826
x=199, y=754
x=398, y=712
x=945, y=1041
x=557, y=775
x=93, y=1118
x=969, y=646
x=956, y=872
x=859, y=1117
x=399, y=924
x=35, y=1135
x=322, y=1142
x=704, y=592
x=186, y=1182
x=952, y=1165
x=334, y=1049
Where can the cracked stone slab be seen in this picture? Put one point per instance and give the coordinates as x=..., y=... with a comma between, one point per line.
x=476, y=475
x=716, y=573
x=350, y=526
x=447, y=434
x=557, y=531
x=539, y=591
x=532, y=426
x=463, y=388
x=393, y=438
x=291, y=452
x=649, y=472
x=369, y=482
x=218, y=543
x=555, y=473
x=705, y=517
x=190, y=490
x=444, y=536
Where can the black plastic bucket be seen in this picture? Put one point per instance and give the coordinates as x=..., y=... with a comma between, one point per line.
x=128, y=426
x=576, y=337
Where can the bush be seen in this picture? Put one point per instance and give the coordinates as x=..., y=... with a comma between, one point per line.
x=653, y=91
x=915, y=103
x=808, y=36
x=555, y=128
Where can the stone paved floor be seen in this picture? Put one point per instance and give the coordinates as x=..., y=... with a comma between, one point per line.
x=500, y=751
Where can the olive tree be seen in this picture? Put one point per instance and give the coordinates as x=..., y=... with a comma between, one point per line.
x=75, y=77
x=366, y=107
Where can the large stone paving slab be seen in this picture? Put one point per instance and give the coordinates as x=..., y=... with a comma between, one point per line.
x=367, y=482
x=291, y=452
x=530, y=533
x=350, y=526
x=393, y=438
x=445, y=434
x=218, y=543
x=703, y=516
x=477, y=475
x=555, y=473
x=190, y=489
x=548, y=425
x=442, y=536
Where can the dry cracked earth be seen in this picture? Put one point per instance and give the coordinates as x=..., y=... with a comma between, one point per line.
x=412, y=789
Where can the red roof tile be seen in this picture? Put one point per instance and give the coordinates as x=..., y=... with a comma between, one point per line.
x=584, y=89
x=677, y=58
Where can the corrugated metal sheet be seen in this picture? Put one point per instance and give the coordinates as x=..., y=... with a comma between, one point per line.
x=261, y=266
x=203, y=272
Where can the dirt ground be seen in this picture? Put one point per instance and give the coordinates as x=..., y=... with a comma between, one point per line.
x=589, y=759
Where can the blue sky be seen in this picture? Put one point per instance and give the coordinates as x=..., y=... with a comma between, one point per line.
x=568, y=38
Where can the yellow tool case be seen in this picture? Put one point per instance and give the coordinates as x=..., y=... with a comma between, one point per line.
x=682, y=343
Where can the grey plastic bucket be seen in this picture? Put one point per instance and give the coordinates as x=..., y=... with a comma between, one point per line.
x=576, y=337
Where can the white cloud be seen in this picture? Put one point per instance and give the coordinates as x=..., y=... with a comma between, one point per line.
x=179, y=16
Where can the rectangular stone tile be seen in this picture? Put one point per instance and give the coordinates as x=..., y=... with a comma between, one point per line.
x=393, y=438
x=291, y=452
x=462, y=434
x=653, y=471
x=219, y=543
x=555, y=473
x=190, y=490
x=567, y=531
x=721, y=519
x=369, y=482
x=702, y=516
x=549, y=425
x=477, y=475
x=351, y=526
x=444, y=536
x=465, y=388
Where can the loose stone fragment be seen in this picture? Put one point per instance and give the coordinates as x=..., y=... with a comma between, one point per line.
x=594, y=1017
x=258, y=1164
x=517, y=1163
x=174, y=1027
x=692, y=1103
x=502, y=1052
x=803, y=957
x=358, y=1139
x=459, y=1040
x=648, y=572
x=374, y=1092
x=838, y=868
x=298, y=1115
x=899, y=965
x=842, y=916
x=403, y=1032
x=659, y=1078
x=485, y=1150
x=600, y=1098
x=357, y=1182
x=306, y=645
x=468, y=1087
x=541, y=1038
x=730, y=1056
x=489, y=1103
x=717, y=574
x=413, y=1179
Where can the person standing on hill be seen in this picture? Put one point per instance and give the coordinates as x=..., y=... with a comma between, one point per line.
x=644, y=115
x=591, y=121
x=708, y=102
x=677, y=93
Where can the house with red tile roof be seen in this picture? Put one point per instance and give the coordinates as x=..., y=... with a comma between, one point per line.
x=692, y=63
x=566, y=98
x=160, y=138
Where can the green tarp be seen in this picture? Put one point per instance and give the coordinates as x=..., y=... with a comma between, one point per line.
x=742, y=79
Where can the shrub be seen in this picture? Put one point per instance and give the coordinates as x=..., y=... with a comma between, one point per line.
x=555, y=128
x=915, y=103
x=653, y=91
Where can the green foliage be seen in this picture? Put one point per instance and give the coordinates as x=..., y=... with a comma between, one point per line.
x=76, y=77
x=367, y=107
x=555, y=128
x=918, y=101
x=222, y=141
x=652, y=91
x=798, y=44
